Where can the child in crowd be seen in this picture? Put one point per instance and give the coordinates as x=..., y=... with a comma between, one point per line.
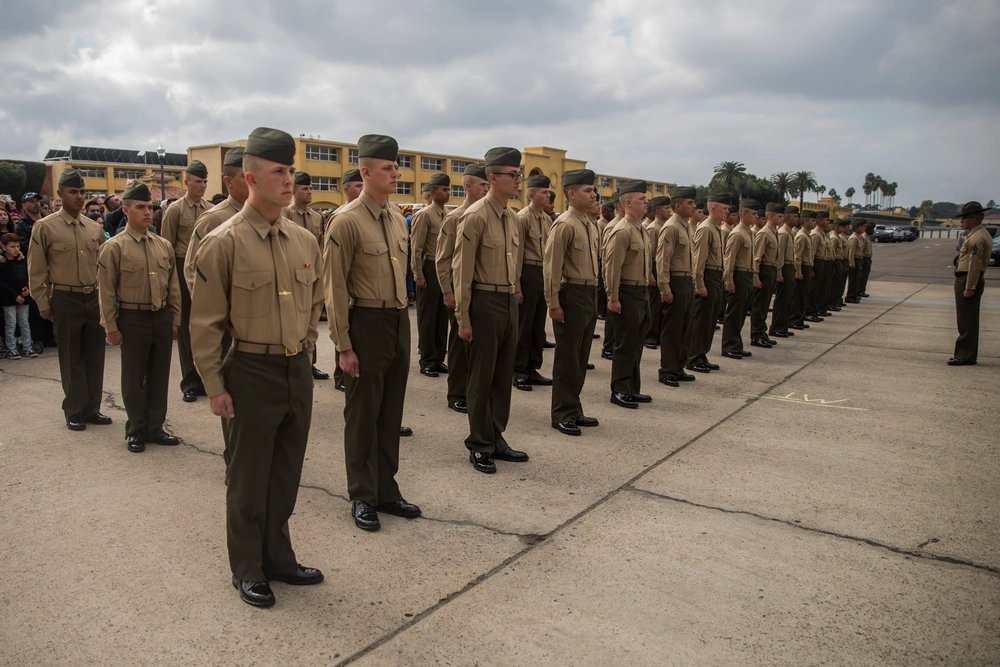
x=14, y=297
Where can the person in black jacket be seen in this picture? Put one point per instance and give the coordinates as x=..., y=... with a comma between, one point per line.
x=14, y=297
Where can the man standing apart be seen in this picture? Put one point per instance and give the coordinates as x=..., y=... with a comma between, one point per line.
x=626, y=271
x=570, y=270
x=533, y=230
x=365, y=276
x=485, y=275
x=866, y=259
x=257, y=277
x=62, y=276
x=855, y=264
x=141, y=310
x=970, y=280
x=739, y=282
x=178, y=224
x=675, y=262
x=475, y=184
x=765, y=262
x=432, y=314
x=310, y=220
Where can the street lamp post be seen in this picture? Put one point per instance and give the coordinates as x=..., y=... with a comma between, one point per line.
x=161, y=152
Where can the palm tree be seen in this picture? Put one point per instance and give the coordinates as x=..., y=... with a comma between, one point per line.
x=868, y=187
x=883, y=190
x=834, y=196
x=820, y=191
x=782, y=182
x=891, y=192
x=803, y=182
x=849, y=193
x=731, y=175
x=877, y=184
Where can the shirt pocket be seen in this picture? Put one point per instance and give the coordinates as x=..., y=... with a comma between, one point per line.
x=405, y=247
x=377, y=258
x=304, y=279
x=252, y=294
x=133, y=275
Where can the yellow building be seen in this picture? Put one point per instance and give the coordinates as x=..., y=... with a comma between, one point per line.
x=326, y=161
x=108, y=170
x=826, y=204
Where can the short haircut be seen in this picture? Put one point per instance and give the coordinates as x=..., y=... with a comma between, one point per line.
x=92, y=202
x=468, y=180
x=231, y=170
x=10, y=238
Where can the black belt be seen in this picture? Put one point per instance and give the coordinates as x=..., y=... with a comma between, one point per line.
x=488, y=287
x=268, y=349
x=374, y=303
x=632, y=283
x=580, y=281
x=531, y=262
x=138, y=306
x=79, y=289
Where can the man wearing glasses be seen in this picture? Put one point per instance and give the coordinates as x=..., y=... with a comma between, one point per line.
x=485, y=276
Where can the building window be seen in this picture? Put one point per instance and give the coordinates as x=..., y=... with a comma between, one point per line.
x=458, y=166
x=431, y=163
x=129, y=173
x=404, y=188
x=405, y=161
x=352, y=155
x=325, y=184
x=93, y=194
x=658, y=187
x=322, y=153
x=457, y=191
x=605, y=182
x=92, y=172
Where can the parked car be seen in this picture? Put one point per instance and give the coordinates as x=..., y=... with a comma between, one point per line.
x=884, y=234
x=907, y=233
x=995, y=257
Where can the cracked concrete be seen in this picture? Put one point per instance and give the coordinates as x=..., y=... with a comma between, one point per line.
x=716, y=525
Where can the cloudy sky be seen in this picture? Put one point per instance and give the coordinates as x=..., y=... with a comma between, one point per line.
x=909, y=89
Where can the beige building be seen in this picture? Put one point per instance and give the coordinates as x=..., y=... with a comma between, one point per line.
x=108, y=170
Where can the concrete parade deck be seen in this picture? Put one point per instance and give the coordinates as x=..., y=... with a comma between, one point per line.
x=834, y=500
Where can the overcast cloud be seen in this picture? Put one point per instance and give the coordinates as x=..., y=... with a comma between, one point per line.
x=662, y=90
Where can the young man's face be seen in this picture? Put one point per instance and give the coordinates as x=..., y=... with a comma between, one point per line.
x=441, y=194
x=139, y=214
x=353, y=190
x=303, y=195
x=12, y=249
x=195, y=186
x=380, y=176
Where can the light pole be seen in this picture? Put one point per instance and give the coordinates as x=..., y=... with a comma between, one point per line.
x=161, y=152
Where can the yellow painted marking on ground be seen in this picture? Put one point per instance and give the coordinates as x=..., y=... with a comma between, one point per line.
x=805, y=400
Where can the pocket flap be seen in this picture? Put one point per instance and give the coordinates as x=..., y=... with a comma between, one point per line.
x=251, y=280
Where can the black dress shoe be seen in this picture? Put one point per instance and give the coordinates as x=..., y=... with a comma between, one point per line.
x=709, y=365
x=400, y=508
x=623, y=400
x=98, y=418
x=482, y=462
x=607, y=355
x=522, y=384
x=340, y=386
x=76, y=424
x=760, y=342
x=595, y=336
x=865, y=295
x=428, y=372
x=788, y=333
x=458, y=406
x=835, y=309
x=512, y=455
x=699, y=368
x=320, y=375
x=813, y=318
x=537, y=378
x=548, y=345
x=135, y=444
x=441, y=368
x=567, y=428
x=800, y=327
x=642, y=398
x=852, y=300
x=771, y=341
x=405, y=431
x=591, y=367
x=650, y=346
x=303, y=576
x=161, y=437
x=365, y=516
x=190, y=396
x=825, y=313
x=586, y=422
x=746, y=353
x=732, y=355
x=254, y=593
x=960, y=362
x=670, y=380
x=685, y=377
x=778, y=334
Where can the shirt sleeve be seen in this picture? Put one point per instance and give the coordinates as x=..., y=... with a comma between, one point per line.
x=467, y=238
x=666, y=245
x=210, y=310
x=614, y=254
x=38, y=268
x=553, y=258
x=443, y=253
x=729, y=258
x=701, y=241
x=108, y=266
x=338, y=254
x=170, y=223
x=174, y=291
x=418, y=238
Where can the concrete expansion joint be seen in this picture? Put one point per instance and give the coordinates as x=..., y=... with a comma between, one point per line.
x=111, y=402
x=797, y=524
x=4, y=371
x=525, y=538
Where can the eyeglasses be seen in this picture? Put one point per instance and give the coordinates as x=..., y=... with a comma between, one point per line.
x=516, y=175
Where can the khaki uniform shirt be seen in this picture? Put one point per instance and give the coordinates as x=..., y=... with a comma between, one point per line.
x=739, y=252
x=424, y=230
x=974, y=256
x=765, y=248
x=816, y=244
x=365, y=261
x=868, y=245
x=139, y=269
x=803, y=250
x=855, y=248
x=709, y=247
x=178, y=222
x=307, y=219
x=652, y=231
x=605, y=230
x=63, y=251
x=626, y=257
x=533, y=226
x=445, y=250
x=674, y=251
x=836, y=246
x=486, y=252
x=209, y=220
x=239, y=289
x=786, y=246
x=571, y=254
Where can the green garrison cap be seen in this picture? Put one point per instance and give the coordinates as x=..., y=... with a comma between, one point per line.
x=271, y=144
x=439, y=179
x=659, y=201
x=538, y=181
x=503, y=156
x=234, y=157
x=734, y=208
x=303, y=178
x=746, y=202
x=197, y=168
x=809, y=214
x=857, y=222
x=352, y=176
x=138, y=191
x=720, y=198
x=477, y=170
x=582, y=177
x=822, y=215
x=71, y=178
x=632, y=186
x=378, y=146
x=791, y=209
x=775, y=207
x=682, y=192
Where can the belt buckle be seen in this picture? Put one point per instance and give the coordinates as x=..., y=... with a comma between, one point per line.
x=88, y=289
x=291, y=352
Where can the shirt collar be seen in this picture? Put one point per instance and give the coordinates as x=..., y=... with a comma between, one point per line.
x=491, y=201
x=134, y=234
x=191, y=201
x=371, y=204
x=259, y=224
x=68, y=219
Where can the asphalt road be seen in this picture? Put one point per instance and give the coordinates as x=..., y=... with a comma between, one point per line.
x=928, y=261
